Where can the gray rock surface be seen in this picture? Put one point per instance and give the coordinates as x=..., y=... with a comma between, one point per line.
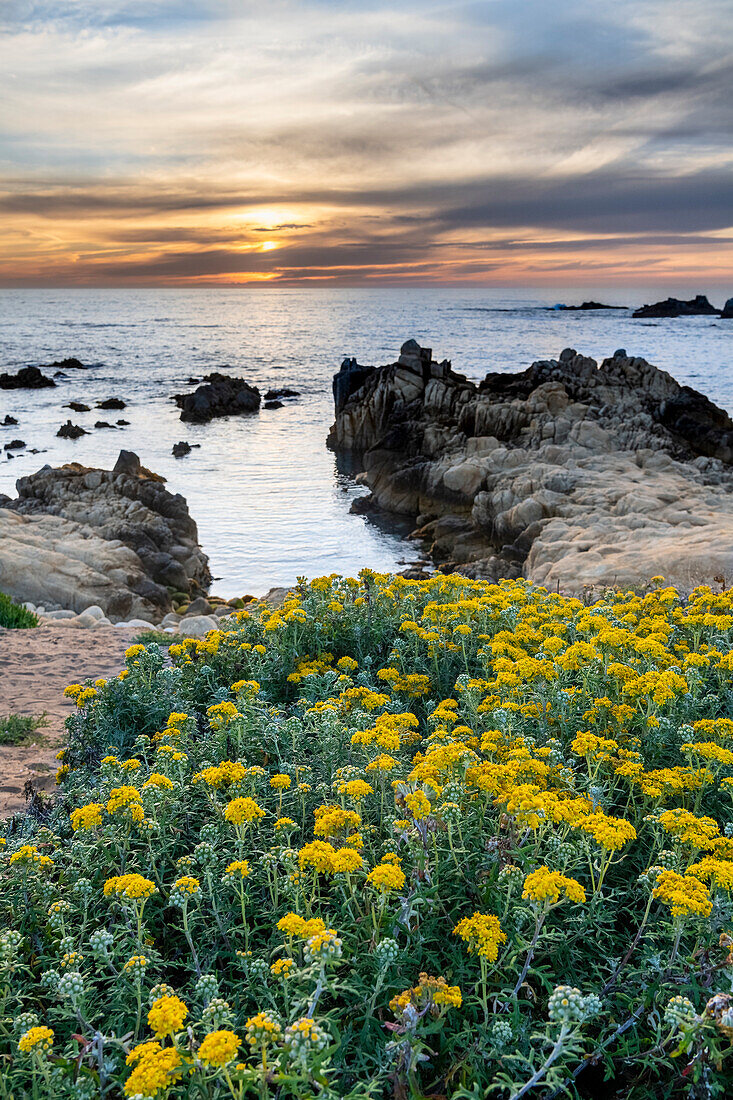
x=568, y=473
x=77, y=537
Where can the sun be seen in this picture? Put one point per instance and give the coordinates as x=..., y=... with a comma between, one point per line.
x=267, y=246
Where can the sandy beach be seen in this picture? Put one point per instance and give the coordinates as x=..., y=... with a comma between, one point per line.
x=35, y=667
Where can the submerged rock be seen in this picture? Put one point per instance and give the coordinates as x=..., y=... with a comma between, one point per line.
x=28, y=378
x=65, y=364
x=566, y=473
x=276, y=395
x=9, y=421
x=675, y=307
x=588, y=305
x=77, y=536
x=77, y=407
x=221, y=395
x=112, y=403
x=15, y=445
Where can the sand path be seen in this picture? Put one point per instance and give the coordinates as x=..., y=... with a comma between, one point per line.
x=35, y=667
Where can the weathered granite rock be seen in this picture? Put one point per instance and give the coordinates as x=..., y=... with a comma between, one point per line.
x=568, y=472
x=28, y=378
x=221, y=395
x=128, y=539
x=675, y=307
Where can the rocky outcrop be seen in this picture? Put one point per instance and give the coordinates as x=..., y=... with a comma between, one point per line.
x=71, y=431
x=568, y=473
x=28, y=378
x=118, y=539
x=221, y=395
x=675, y=307
x=65, y=364
x=728, y=309
x=588, y=305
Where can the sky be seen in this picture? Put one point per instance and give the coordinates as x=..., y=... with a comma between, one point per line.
x=337, y=142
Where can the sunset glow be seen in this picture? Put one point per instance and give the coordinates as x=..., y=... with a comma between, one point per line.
x=409, y=144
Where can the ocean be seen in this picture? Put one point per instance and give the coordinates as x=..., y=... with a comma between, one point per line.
x=271, y=502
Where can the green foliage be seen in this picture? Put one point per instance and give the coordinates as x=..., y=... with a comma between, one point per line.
x=14, y=616
x=20, y=729
x=421, y=839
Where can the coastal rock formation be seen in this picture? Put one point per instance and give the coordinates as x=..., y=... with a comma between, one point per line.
x=71, y=431
x=567, y=473
x=728, y=309
x=65, y=364
x=584, y=306
x=675, y=307
x=28, y=378
x=76, y=536
x=221, y=395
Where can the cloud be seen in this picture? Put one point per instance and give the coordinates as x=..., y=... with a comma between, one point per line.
x=156, y=133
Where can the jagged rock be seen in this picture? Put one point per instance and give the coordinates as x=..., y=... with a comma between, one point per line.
x=276, y=395
x=125, y=535
x=28, y=378
x=77, y=407
x=9, y=421
x=349, y=379
x=675, y=307
x=112, y=403
x=15, y=445
x=570, y=472
x=70, y=431
x=65, y=364
x=122, y=423
x=181, y=449
x=728, y=309
x=219, y=396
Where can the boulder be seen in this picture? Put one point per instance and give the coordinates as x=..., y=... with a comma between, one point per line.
x=112, y=403
x=123, y=524
x=273, y=404
x=221, y=395
x=28, y=378
x=675, y=307
x=15, y=445
x=196, y=626
x=9, y=421
x=181, y=449
x=728, y=309
x=77, y=407
x=569, y=472
x=70, y=431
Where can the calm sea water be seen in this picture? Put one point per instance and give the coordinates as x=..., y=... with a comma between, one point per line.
x=269, y=499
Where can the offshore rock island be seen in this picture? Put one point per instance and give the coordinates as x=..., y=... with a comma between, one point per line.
x=570, y=474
